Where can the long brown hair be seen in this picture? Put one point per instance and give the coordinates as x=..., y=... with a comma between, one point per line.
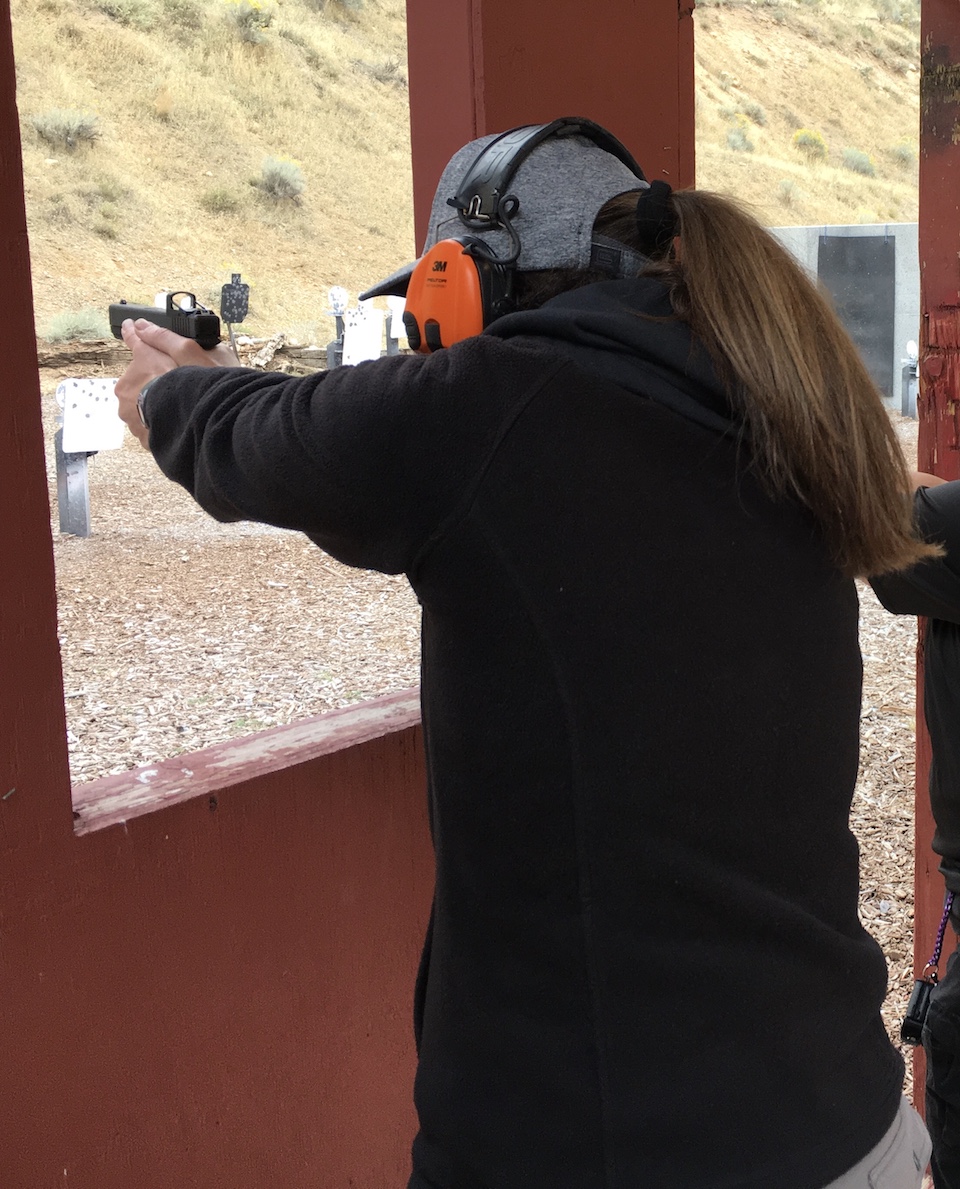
x=817, y=426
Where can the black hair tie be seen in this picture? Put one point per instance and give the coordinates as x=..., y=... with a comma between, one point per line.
x=656, y=222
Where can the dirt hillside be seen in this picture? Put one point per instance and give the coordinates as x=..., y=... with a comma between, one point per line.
x=170, y=143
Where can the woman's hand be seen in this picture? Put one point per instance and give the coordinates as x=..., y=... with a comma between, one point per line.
x=156, y=351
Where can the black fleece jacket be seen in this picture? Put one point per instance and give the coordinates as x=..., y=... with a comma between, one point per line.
x=641, y=688
x=933, y=589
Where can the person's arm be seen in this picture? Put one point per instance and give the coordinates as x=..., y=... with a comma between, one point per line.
x=369, y=461
x=931, y=588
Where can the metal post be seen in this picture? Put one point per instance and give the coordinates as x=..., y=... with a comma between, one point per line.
x=908, y=389
x=73, y=490
x=335, y=349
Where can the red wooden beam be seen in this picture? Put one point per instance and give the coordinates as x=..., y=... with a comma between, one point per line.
x=937, y=405
x=118, y=800
x=34, y=775
x=479, y=66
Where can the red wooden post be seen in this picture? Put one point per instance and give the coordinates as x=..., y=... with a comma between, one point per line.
x=939, y=449
x=479, y=66
x=33, y=759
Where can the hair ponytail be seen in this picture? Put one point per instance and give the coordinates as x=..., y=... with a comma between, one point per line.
x=817, y=426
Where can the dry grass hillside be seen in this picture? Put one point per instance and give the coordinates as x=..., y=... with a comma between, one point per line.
x=146, y=125
x=189, y=98
x=810, y=111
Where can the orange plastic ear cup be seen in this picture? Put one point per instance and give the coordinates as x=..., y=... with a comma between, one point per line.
x=444, y=298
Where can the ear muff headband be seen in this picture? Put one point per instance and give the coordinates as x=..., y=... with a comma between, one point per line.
x=486, y=181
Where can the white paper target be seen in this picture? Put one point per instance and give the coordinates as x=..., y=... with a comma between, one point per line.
x=90, y=417
x=362, y=334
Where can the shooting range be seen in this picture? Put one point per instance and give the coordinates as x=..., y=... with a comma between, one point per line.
x=259, y=905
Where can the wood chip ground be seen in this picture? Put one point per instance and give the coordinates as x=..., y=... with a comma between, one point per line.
x=177, y=632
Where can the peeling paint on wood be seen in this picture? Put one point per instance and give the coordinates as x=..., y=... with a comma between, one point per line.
x=939, y=397
x=939, y=98
x=937, y=401
x=115, y=800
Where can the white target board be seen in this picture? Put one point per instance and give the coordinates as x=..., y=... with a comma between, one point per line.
x=90, y=418
x=362, y=334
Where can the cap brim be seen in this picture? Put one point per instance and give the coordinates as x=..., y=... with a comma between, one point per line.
x=395, y=285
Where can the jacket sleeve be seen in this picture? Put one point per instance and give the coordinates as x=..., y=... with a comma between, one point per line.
x=931, y=588
x=369, y=461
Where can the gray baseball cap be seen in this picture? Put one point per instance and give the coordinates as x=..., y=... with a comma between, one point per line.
x=560, y=184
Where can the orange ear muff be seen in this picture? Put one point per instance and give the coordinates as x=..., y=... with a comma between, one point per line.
x=451, y=296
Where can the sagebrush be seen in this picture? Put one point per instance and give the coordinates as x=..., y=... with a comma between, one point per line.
x=78, y=326
x=281, y=179
x=858, y=162
x=66, y=128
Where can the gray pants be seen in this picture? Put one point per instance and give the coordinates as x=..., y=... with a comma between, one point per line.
x=897, y=1162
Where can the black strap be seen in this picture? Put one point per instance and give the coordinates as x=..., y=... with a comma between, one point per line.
x=486, y=181
x=656, y=221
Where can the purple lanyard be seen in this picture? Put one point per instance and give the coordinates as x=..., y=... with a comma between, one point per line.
x=934, y=962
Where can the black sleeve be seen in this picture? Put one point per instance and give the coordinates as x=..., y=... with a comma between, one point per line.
x=931, y=588
x=369, y=461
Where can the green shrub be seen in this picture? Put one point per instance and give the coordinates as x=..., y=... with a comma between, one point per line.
x=904, y=154
x=788, y=192
x=755, y=112
x=858, y=162
x=137, y=14
x=220, y=201
x=81, y=326
x=811, y=143
x=66, y=128
x=737, y=138
x=252, y=18
x=281, y=179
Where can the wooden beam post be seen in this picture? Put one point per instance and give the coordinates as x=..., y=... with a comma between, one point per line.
x=939, y=369
x=479, y=66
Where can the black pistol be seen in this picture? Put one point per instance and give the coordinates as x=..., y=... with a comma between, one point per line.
x=192, y=321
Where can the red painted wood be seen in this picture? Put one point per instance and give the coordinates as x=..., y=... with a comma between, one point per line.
x=479, y=66
x=939, y=448
x=33, y=755
x=215, y=997
x=115, y=800
x=442, y=107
